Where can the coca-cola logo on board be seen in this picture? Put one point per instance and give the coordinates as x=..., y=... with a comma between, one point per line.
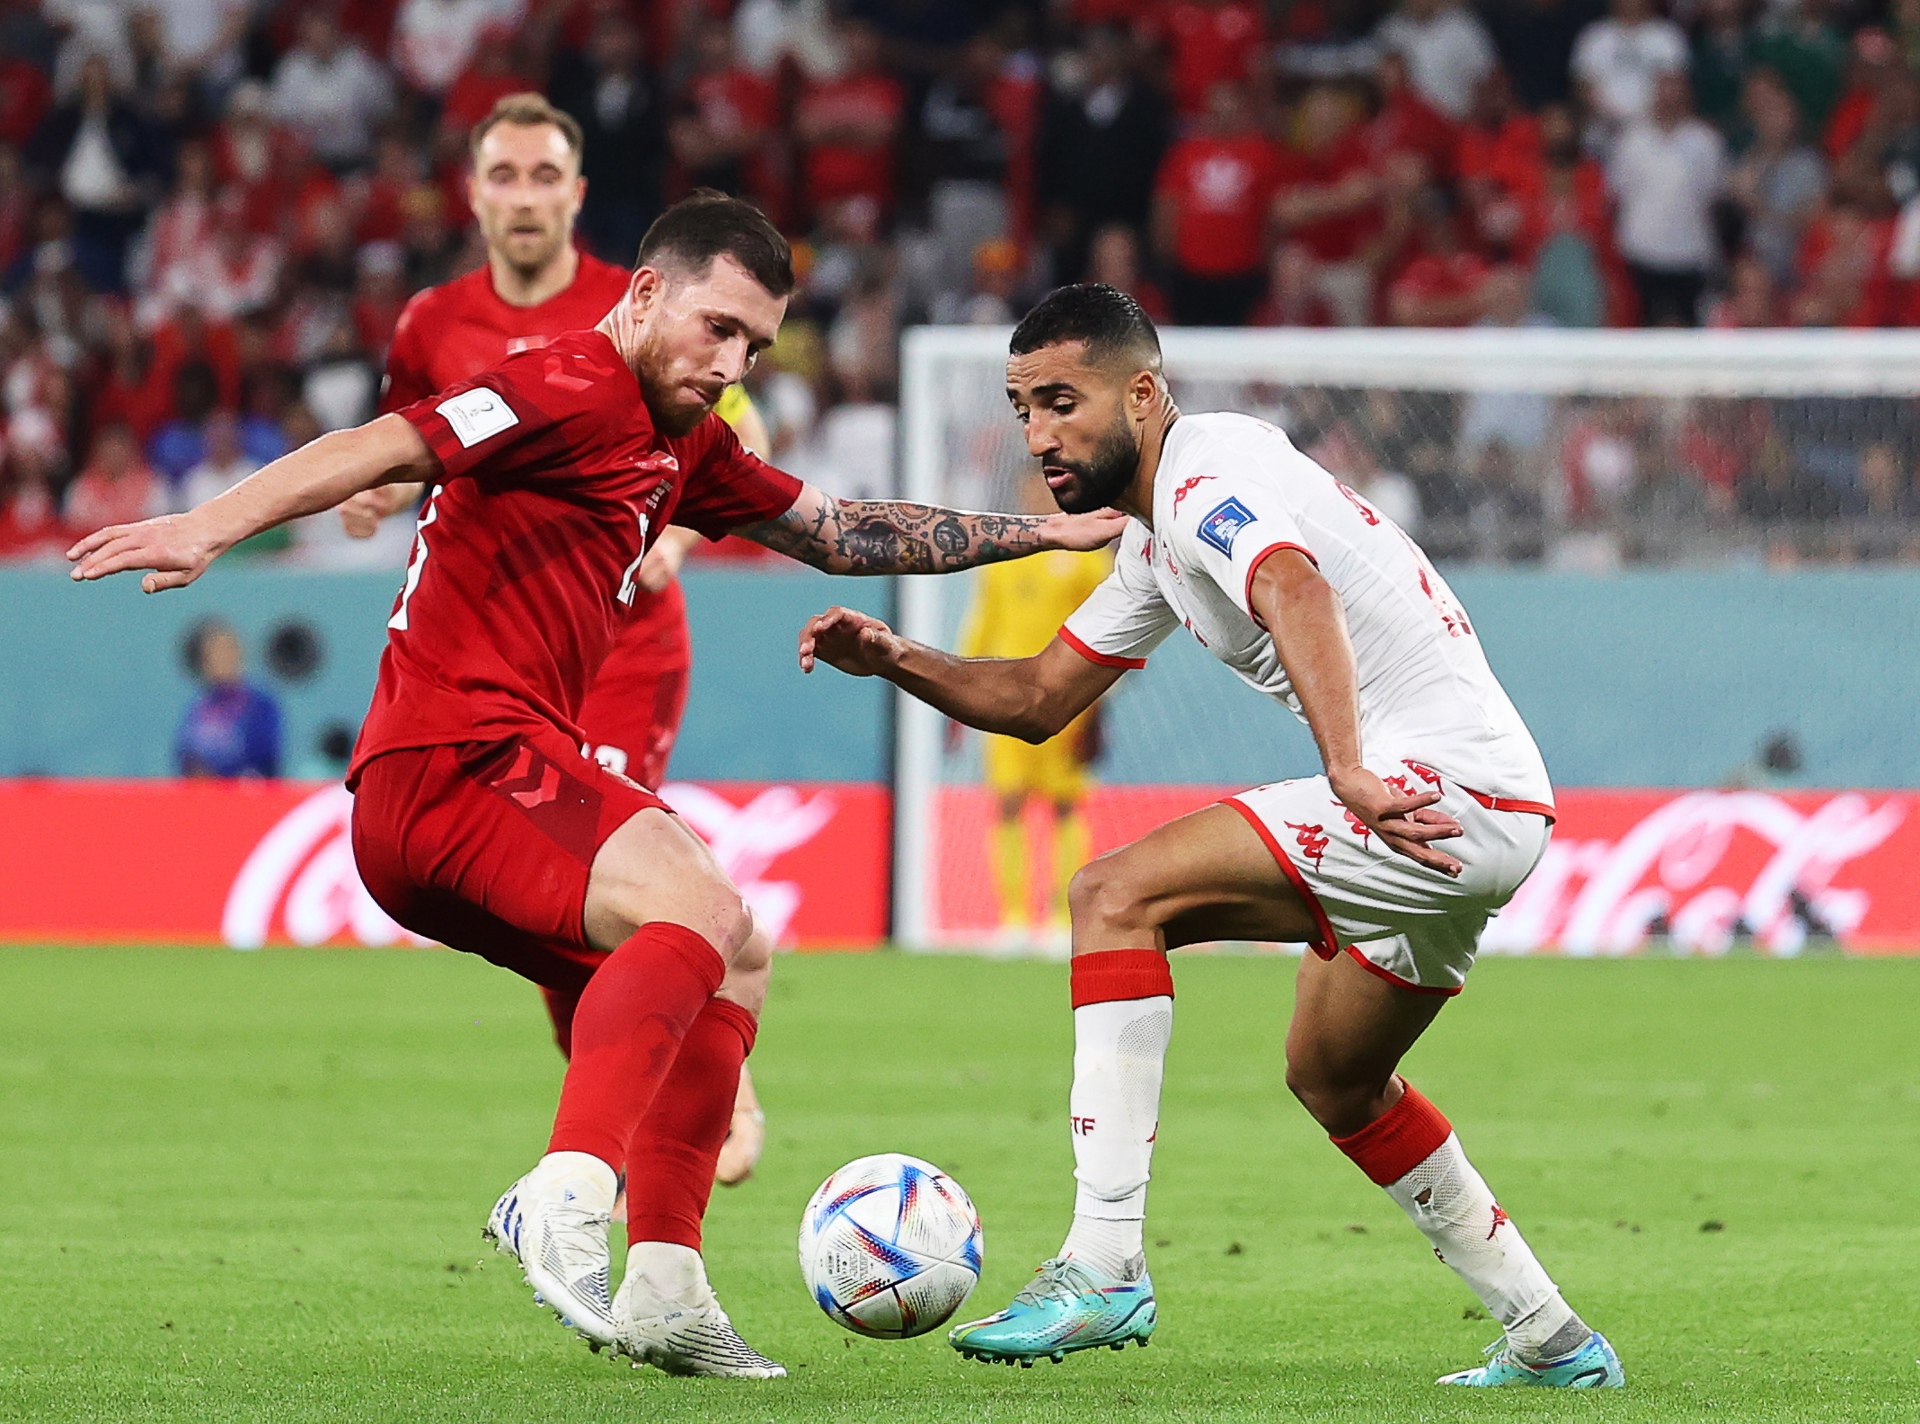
x=300, y=879
x=1702, y=866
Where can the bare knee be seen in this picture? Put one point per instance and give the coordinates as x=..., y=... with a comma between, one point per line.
x=749, y=973
x=1108, y=906
x=654, y=869
x=1341, y=1099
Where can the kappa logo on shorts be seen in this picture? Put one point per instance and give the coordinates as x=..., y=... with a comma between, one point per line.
x=1312, y=840
x=476, y=415
x=1223, y=524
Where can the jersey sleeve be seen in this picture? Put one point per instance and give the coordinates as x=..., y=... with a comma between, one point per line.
x=1225, y=528
x=1125, y=618
x=727, y=486
x=406, y=378
x=550, y=399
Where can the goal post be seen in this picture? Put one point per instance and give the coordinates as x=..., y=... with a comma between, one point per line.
x=1576, y=449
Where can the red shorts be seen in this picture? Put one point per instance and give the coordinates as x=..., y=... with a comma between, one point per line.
x=487, y=846
x=632, y=712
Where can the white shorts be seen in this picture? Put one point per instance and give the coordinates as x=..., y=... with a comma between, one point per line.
x=1410, y=925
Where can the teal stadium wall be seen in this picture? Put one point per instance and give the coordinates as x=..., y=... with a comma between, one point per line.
x=1667, y=678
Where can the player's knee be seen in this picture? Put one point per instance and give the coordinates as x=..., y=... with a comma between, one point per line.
x=749, y=974
x=732, y=924
x=1339, y=1101
x=1104, y=893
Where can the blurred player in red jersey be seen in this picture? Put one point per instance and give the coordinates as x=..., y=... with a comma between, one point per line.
x=479, y=821
x=526, y=191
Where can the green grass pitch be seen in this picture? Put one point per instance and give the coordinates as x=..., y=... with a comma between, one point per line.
x=250, y=1187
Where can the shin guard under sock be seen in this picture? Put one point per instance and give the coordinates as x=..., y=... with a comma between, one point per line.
x=626, y=1033
x=673, y=1153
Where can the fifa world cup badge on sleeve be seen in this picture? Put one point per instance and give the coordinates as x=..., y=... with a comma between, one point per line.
x=476, y=415
x=1224, y=523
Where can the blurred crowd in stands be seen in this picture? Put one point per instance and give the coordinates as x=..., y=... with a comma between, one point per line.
x=212, y=212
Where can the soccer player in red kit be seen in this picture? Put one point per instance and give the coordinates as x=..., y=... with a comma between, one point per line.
x=477, y=819
x=525, y=191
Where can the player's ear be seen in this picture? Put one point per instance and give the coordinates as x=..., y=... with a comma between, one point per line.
x=643, y=287
x=1141, y=390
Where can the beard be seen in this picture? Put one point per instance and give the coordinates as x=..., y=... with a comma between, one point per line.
x=1098, y=481
x=672, y=407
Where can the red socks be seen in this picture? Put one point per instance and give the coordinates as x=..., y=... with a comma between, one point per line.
x=627, y=1030
x=671, y=1159
x=1108, y=975
x=561, y=1004
x=1399, y=1140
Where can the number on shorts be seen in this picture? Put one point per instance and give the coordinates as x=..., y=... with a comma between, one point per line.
x=418, y=560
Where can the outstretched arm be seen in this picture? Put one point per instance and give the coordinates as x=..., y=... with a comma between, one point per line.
x=1030, y=698
x=317, y=476
x=892, y=536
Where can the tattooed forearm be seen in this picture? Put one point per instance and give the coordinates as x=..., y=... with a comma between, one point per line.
x=882, y=536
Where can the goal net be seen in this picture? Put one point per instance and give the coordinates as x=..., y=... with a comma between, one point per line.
x=1575, y=450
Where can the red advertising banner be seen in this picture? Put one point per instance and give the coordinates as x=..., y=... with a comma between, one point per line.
x=1698, y=868
x=255, y=863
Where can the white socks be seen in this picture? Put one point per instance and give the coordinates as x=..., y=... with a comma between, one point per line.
x=1120, y=1049
x=669, y=1271
x=1454, y=1208
x=1411, y=1150
x=580, y=1175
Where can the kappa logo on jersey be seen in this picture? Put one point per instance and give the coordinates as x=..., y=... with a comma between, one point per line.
x=1366, y=510
x=1224, y=523
x=1187, y=487
x=476, y=415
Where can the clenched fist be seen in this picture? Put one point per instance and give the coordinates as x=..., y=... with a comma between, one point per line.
x=855, y=643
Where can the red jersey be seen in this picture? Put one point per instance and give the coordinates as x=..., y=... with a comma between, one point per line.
x=553, y=483
x=1219, y=188
x=455, y=331
x=839, y=169
x=1208, y=43
x=1336, y=239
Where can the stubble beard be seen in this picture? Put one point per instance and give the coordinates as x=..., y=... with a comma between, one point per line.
x=663, y=400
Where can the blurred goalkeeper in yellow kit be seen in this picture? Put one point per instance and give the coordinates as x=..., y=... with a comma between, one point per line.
x=1017, y=610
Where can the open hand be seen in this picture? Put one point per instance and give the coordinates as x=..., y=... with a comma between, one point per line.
x=853, y=642
x=1405, y=824
x=1094, y=530
x=175, y=546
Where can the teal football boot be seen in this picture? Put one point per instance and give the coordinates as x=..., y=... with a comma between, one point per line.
x=1066, y=1307
x=1592, y=1366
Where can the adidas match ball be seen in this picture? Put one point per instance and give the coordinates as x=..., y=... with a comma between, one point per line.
x=890, y=1246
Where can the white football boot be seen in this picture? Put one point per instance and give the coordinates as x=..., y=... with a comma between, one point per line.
x=554, y=1222
x=667, y=1317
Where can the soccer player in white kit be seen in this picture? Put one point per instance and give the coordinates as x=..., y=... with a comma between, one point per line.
x=1434, y=807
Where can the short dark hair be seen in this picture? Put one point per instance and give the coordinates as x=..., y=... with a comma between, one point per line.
x=1109, y=321
x=705, y=225
x=527, y=111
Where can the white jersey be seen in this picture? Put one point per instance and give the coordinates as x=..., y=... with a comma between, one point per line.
x=1231, y=490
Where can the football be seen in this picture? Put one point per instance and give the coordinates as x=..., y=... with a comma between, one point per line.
x=890, y=1246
